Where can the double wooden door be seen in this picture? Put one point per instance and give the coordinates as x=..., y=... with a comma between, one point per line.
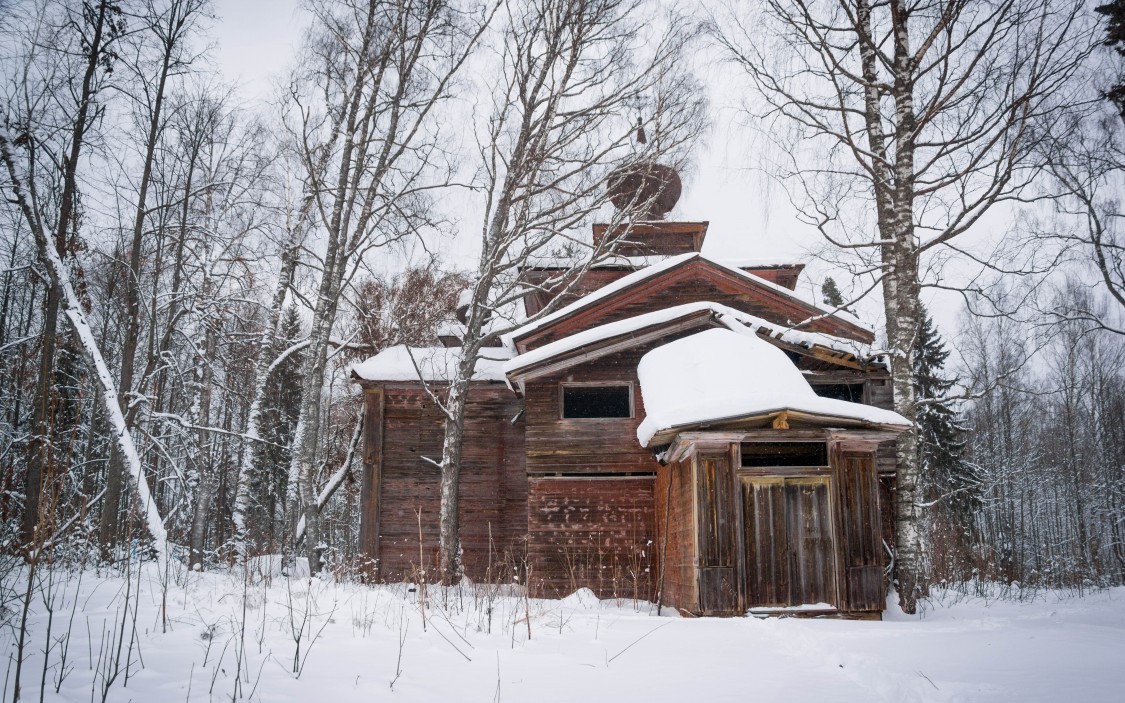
x=790, y=555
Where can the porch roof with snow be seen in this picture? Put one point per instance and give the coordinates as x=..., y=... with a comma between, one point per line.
x=640, y=283
x=429, y=364
x=632, y=332
x=719, y=379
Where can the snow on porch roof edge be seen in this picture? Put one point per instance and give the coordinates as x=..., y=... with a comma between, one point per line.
x=437, y=364
x=720, y=375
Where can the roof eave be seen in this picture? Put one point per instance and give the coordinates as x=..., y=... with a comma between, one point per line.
x=818, y=420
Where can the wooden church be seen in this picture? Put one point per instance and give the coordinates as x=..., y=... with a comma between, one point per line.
x=687, y=429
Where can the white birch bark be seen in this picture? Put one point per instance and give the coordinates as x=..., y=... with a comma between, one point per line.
x=72, y=307
x=563, y=95
x=920, y=119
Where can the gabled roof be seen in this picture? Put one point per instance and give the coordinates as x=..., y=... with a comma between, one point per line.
x=719, y=378
x=436, y=364
x=638, y=280
x=629, y=333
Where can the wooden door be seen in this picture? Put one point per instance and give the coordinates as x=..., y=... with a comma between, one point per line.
x=718, y=584
x=790, y=558
x=862, y=532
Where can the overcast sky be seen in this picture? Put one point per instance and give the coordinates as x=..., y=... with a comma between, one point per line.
x=255, y=42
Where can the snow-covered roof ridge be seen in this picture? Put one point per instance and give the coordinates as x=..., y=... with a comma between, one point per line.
x=658, y=268
x=403, y=363
x=735, y=319
x=720, y=375
x=618, y=261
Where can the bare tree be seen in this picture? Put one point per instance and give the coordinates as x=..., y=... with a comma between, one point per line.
x=1086, y=160
x=42, y=141
x=51, y=107
x=360, y=116
x=904, y=123
x=155, y=63
x=570, y=78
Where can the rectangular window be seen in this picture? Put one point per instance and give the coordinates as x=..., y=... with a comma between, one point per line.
x=597, y=401
x=851, y=392
x=755, y=454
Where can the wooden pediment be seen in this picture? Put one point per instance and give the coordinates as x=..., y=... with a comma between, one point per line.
x=692, y=280
x=660, y=328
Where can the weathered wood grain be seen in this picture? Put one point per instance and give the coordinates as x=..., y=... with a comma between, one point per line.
x=676, y=555
x=493, y=483
x=597, y=533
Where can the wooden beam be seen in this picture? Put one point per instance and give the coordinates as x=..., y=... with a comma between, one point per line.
x=371, y=496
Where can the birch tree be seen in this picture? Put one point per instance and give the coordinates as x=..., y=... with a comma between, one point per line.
x=55, y=99
x=901, y=125
x=360, y=115
x=570, y=77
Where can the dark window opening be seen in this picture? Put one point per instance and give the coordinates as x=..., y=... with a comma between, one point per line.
x=785, y=454
x=851, y=392
x=581, y=402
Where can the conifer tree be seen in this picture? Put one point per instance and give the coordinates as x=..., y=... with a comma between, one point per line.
x=832, y=295
x=1115, y=37
x=941, y=437
x=280, y=407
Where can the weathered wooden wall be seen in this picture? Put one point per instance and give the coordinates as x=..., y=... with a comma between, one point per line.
x=861, y=548
x=717, y=521
x=591, y=490
x=596, y=533
x=675, y=543
x=493, y=482
x=565, y=446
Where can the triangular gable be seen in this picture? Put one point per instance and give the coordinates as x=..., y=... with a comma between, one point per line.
x=668, y=323
x=671, y=283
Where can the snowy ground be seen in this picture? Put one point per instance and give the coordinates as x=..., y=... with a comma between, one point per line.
x=222, y=640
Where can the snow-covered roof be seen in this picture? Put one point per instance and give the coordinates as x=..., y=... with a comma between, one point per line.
x=643, y=261
x=720, y=375
x=735, y=319
x=402, y=363
x=656, y=269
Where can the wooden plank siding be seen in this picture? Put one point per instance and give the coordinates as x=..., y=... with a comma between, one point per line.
x=790, y=551
x=583, y=446
x=597, y=533
x=656, y=239
x=677, y=583
x=716, y=520
x=860, y=532
x=370, y=504
x=493, y=483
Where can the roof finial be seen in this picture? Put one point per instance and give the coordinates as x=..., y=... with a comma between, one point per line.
x=641, y=138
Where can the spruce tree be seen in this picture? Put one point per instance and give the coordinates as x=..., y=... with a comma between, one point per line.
x=941, y=438
x=831, y=294
x=279, y=420
x=1115, y=37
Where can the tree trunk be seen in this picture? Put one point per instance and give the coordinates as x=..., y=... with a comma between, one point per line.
x=39, y=458
x=201, y=458
x=40, y=447
x=107, y=528
x=449, y=515
x=262, y=368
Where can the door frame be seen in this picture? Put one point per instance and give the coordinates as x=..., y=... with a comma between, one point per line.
x=825, y=472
